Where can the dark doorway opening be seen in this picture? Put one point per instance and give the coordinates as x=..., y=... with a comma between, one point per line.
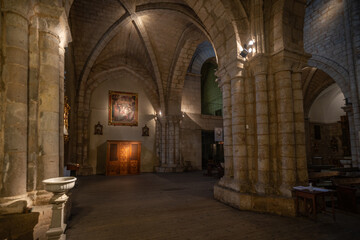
x=212, y=152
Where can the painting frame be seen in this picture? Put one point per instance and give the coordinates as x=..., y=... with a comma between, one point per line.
x=123, y=108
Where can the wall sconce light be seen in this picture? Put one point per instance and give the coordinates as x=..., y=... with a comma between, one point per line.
x=157, y=115
x=247, y=49
x=183, y=114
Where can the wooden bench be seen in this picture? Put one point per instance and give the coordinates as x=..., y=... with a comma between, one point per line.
x=346, y=192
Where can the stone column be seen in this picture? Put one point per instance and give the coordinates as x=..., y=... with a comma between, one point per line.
x=286, y=130
x=33, y=86
x=348, y=109
x=225, y=85
x=163, y=140
x=307, y=140
x=158, y=139
x=49, y=104
x=171, y=142
x=299, y=124
x=240, y=164
x=177, y=142
x=259, y=66
x=53, y=37
x=273, y=140
x=14, y=97
x=61, y=110
x=250, y=128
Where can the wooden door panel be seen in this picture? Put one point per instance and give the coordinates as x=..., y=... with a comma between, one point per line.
x=123, y=158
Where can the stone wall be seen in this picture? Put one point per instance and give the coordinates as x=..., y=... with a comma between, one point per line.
x=121, y=81
x=194, y=122
x=328, y=149
x=331, y=34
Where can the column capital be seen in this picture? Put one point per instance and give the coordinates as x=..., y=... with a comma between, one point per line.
x=286, y=60
x=21, y=8
x=53, y=19
x=259, y=64
x=231, y=71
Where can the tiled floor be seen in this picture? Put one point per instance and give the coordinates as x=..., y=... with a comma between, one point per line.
x=181, y=206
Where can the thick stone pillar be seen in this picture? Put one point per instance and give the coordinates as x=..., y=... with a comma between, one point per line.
x=169, y=144
x=14, y=109
x=275, y=136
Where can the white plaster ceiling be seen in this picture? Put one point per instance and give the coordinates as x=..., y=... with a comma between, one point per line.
x=327, y=106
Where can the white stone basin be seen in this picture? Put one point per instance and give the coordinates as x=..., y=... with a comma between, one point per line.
x=59, y=184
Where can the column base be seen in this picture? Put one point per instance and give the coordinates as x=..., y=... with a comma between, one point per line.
x=85, y=171
x=253, y=202
x=168, y=169
x=56, y=234
x=14, y=204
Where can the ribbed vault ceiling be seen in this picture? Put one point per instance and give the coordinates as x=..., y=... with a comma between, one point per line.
x=147, y=33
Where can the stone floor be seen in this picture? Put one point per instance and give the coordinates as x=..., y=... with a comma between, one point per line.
x=181, y=206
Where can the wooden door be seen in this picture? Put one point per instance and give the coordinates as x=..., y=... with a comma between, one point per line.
x=123, y=158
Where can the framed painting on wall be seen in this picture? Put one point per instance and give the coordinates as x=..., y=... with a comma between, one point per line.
x=123, y=108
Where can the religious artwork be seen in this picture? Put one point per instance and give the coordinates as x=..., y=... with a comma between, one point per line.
x=98, y=129
x=218, y=132
x=123, y=108
x=145, y=131
x=66, y=119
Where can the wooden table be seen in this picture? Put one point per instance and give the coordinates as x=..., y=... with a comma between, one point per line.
x=314, y=196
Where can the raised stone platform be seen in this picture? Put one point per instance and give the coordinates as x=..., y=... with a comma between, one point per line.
x=253, y=202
